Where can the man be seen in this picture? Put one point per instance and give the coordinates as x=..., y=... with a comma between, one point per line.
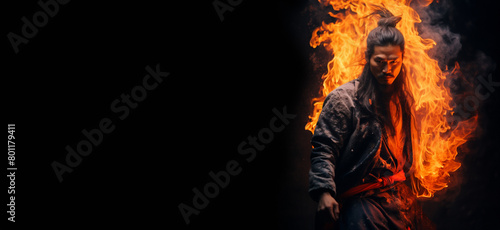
x=362, y=143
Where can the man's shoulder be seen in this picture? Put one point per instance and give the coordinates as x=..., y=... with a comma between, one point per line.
x=346, y=91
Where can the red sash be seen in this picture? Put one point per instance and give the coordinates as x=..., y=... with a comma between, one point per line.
x=381, y=182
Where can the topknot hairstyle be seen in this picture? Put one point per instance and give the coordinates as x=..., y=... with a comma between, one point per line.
x=389, y=21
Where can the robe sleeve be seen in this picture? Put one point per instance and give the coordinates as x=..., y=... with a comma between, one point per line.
x=332, y=131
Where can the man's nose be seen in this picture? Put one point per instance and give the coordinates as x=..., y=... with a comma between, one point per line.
x=387, y=68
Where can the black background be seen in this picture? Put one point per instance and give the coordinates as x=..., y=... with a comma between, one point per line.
x=225, y=79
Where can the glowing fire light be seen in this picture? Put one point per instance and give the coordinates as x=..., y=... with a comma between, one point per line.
x=435, y=141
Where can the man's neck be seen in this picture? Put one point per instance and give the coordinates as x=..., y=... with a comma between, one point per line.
x=385, y=91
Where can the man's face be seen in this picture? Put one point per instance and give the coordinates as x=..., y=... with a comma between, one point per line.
x=385, y=63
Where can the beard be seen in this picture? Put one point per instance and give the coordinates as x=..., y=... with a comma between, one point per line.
x=385, y=79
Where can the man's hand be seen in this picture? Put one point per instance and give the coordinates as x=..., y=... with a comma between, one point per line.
x=329, y=205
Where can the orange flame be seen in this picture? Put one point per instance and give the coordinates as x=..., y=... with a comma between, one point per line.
x=435, y=141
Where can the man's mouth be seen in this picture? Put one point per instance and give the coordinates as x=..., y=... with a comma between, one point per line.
x=385, y=76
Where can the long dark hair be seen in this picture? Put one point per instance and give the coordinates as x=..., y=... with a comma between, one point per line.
x=369, y=94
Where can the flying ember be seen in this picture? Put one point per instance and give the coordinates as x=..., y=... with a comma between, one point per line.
x=435, y=141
